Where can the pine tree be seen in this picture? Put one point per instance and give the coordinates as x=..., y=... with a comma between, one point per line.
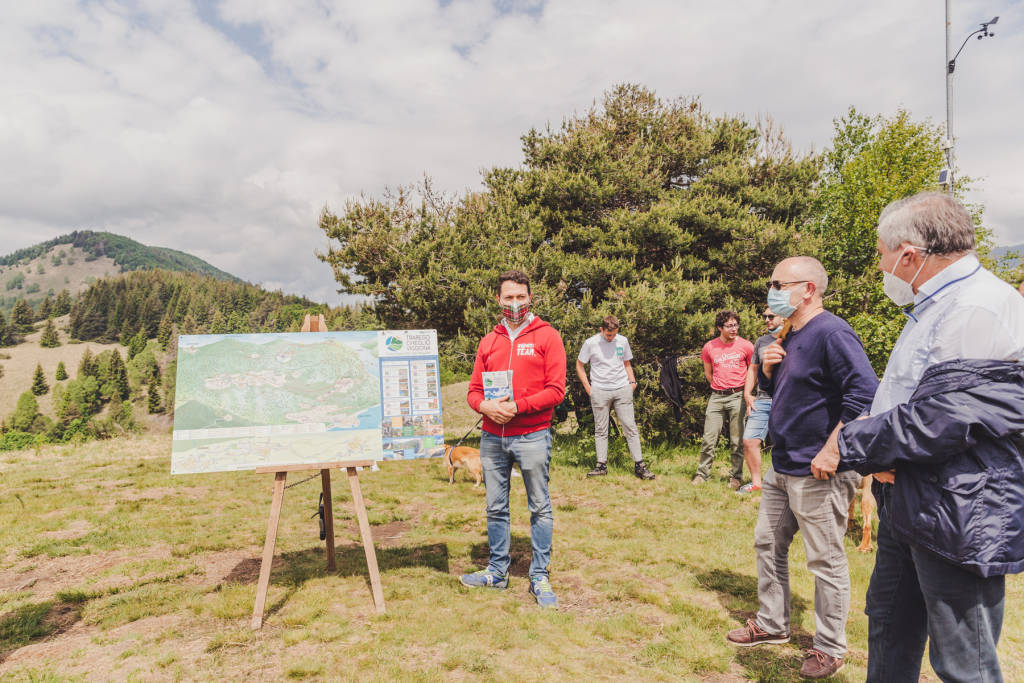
x=117, y=375
x=39, y=385
x=153, y=390
x=126, y=333
x=22, y=316
x=86, y=366
x=163, y=334
x=62, y=372
x=46, y=308
x=217, y=324
x=62, y=305
x=5, y=332
x=137, y=344
x=49, y=338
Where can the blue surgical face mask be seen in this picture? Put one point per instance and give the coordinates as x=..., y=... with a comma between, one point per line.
x=775, y=330
x=778, y=302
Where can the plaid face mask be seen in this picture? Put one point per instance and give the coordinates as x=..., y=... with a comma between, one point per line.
x=516, y=313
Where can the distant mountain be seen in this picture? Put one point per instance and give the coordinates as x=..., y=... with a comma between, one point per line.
x=76, y=260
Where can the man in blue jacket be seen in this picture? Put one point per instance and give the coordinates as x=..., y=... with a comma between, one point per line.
x=946, y=443
x=819, y=377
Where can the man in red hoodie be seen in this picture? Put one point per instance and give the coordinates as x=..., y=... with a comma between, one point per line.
x=518, y=378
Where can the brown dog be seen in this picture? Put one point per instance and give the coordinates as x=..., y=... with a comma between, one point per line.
x=867, y=510
x=465, y=458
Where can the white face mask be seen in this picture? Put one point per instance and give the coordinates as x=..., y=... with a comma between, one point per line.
x=899, y=290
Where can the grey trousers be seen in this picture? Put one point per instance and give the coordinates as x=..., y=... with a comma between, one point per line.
x=602, y=401
x=819, y=509
x=723, y=410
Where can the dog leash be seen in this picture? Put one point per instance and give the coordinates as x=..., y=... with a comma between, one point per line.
x=471, y=429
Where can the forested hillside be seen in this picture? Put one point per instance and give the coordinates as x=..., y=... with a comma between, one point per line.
x=125, y=252
x=73, y=262
x=157, y=303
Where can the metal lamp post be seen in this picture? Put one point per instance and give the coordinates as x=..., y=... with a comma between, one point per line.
x=946, y=174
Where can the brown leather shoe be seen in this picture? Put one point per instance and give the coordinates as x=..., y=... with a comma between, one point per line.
x=752, y=634
x=820, y=665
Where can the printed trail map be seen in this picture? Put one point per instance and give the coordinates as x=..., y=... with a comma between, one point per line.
x=249, y=401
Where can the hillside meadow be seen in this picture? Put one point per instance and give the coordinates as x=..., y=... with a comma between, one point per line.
x=19, y=364
x=113, y=569
x=76, y=271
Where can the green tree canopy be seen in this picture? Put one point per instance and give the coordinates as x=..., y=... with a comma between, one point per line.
x=872, y=161
x=652, y=210
x=25, y=413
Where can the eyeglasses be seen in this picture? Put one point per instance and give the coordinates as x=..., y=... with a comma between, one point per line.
x=776, y=284
x=731, y=326
x=770, y=316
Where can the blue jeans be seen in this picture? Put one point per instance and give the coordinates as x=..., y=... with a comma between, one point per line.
x=915, y=596
x=533, y=453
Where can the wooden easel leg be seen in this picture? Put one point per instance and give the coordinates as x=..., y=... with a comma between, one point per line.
x=364, y=531
x=268, y=550
x=325, y=480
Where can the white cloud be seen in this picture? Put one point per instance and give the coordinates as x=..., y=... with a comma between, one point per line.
x=223, y=129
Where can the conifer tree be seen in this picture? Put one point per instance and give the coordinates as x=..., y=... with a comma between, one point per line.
x=49, y=338
x=137, y=344
x=163, y=334
x=62, y=305
x=22, y=316
x=46, y=308
x=126, y=332
x=5, y=333
x=86, y=366
x=153, y=389
x=39, y=385
x=217, y=324
x=62, y=372
x=117, y=375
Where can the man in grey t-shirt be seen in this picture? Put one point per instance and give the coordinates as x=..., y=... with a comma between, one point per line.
x=759, y=405
x=611, y=385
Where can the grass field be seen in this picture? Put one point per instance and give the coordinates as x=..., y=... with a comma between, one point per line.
x=113, y=569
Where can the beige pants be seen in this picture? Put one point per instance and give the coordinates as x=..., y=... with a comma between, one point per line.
x=819, y=510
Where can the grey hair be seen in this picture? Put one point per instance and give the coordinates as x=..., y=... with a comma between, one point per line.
x=932, y=220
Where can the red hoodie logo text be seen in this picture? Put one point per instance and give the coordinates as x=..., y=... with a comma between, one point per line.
x=525, y=350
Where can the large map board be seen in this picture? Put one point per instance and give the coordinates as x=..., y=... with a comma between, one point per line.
x=245, y=401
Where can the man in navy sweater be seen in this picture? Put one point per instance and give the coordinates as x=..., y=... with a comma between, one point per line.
x=819, y=378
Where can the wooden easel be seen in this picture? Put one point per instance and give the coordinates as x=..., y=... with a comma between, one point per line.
x=317, y=324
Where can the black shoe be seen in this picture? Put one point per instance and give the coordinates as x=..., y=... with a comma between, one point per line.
x=600, y=469
x=641, y=471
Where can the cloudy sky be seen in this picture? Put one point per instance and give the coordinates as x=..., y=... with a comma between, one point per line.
x=222, y=128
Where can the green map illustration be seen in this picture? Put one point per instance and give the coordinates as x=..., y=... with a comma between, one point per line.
x=249, y=401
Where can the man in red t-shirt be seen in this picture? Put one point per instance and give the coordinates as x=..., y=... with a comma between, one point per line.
x=726, y=359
